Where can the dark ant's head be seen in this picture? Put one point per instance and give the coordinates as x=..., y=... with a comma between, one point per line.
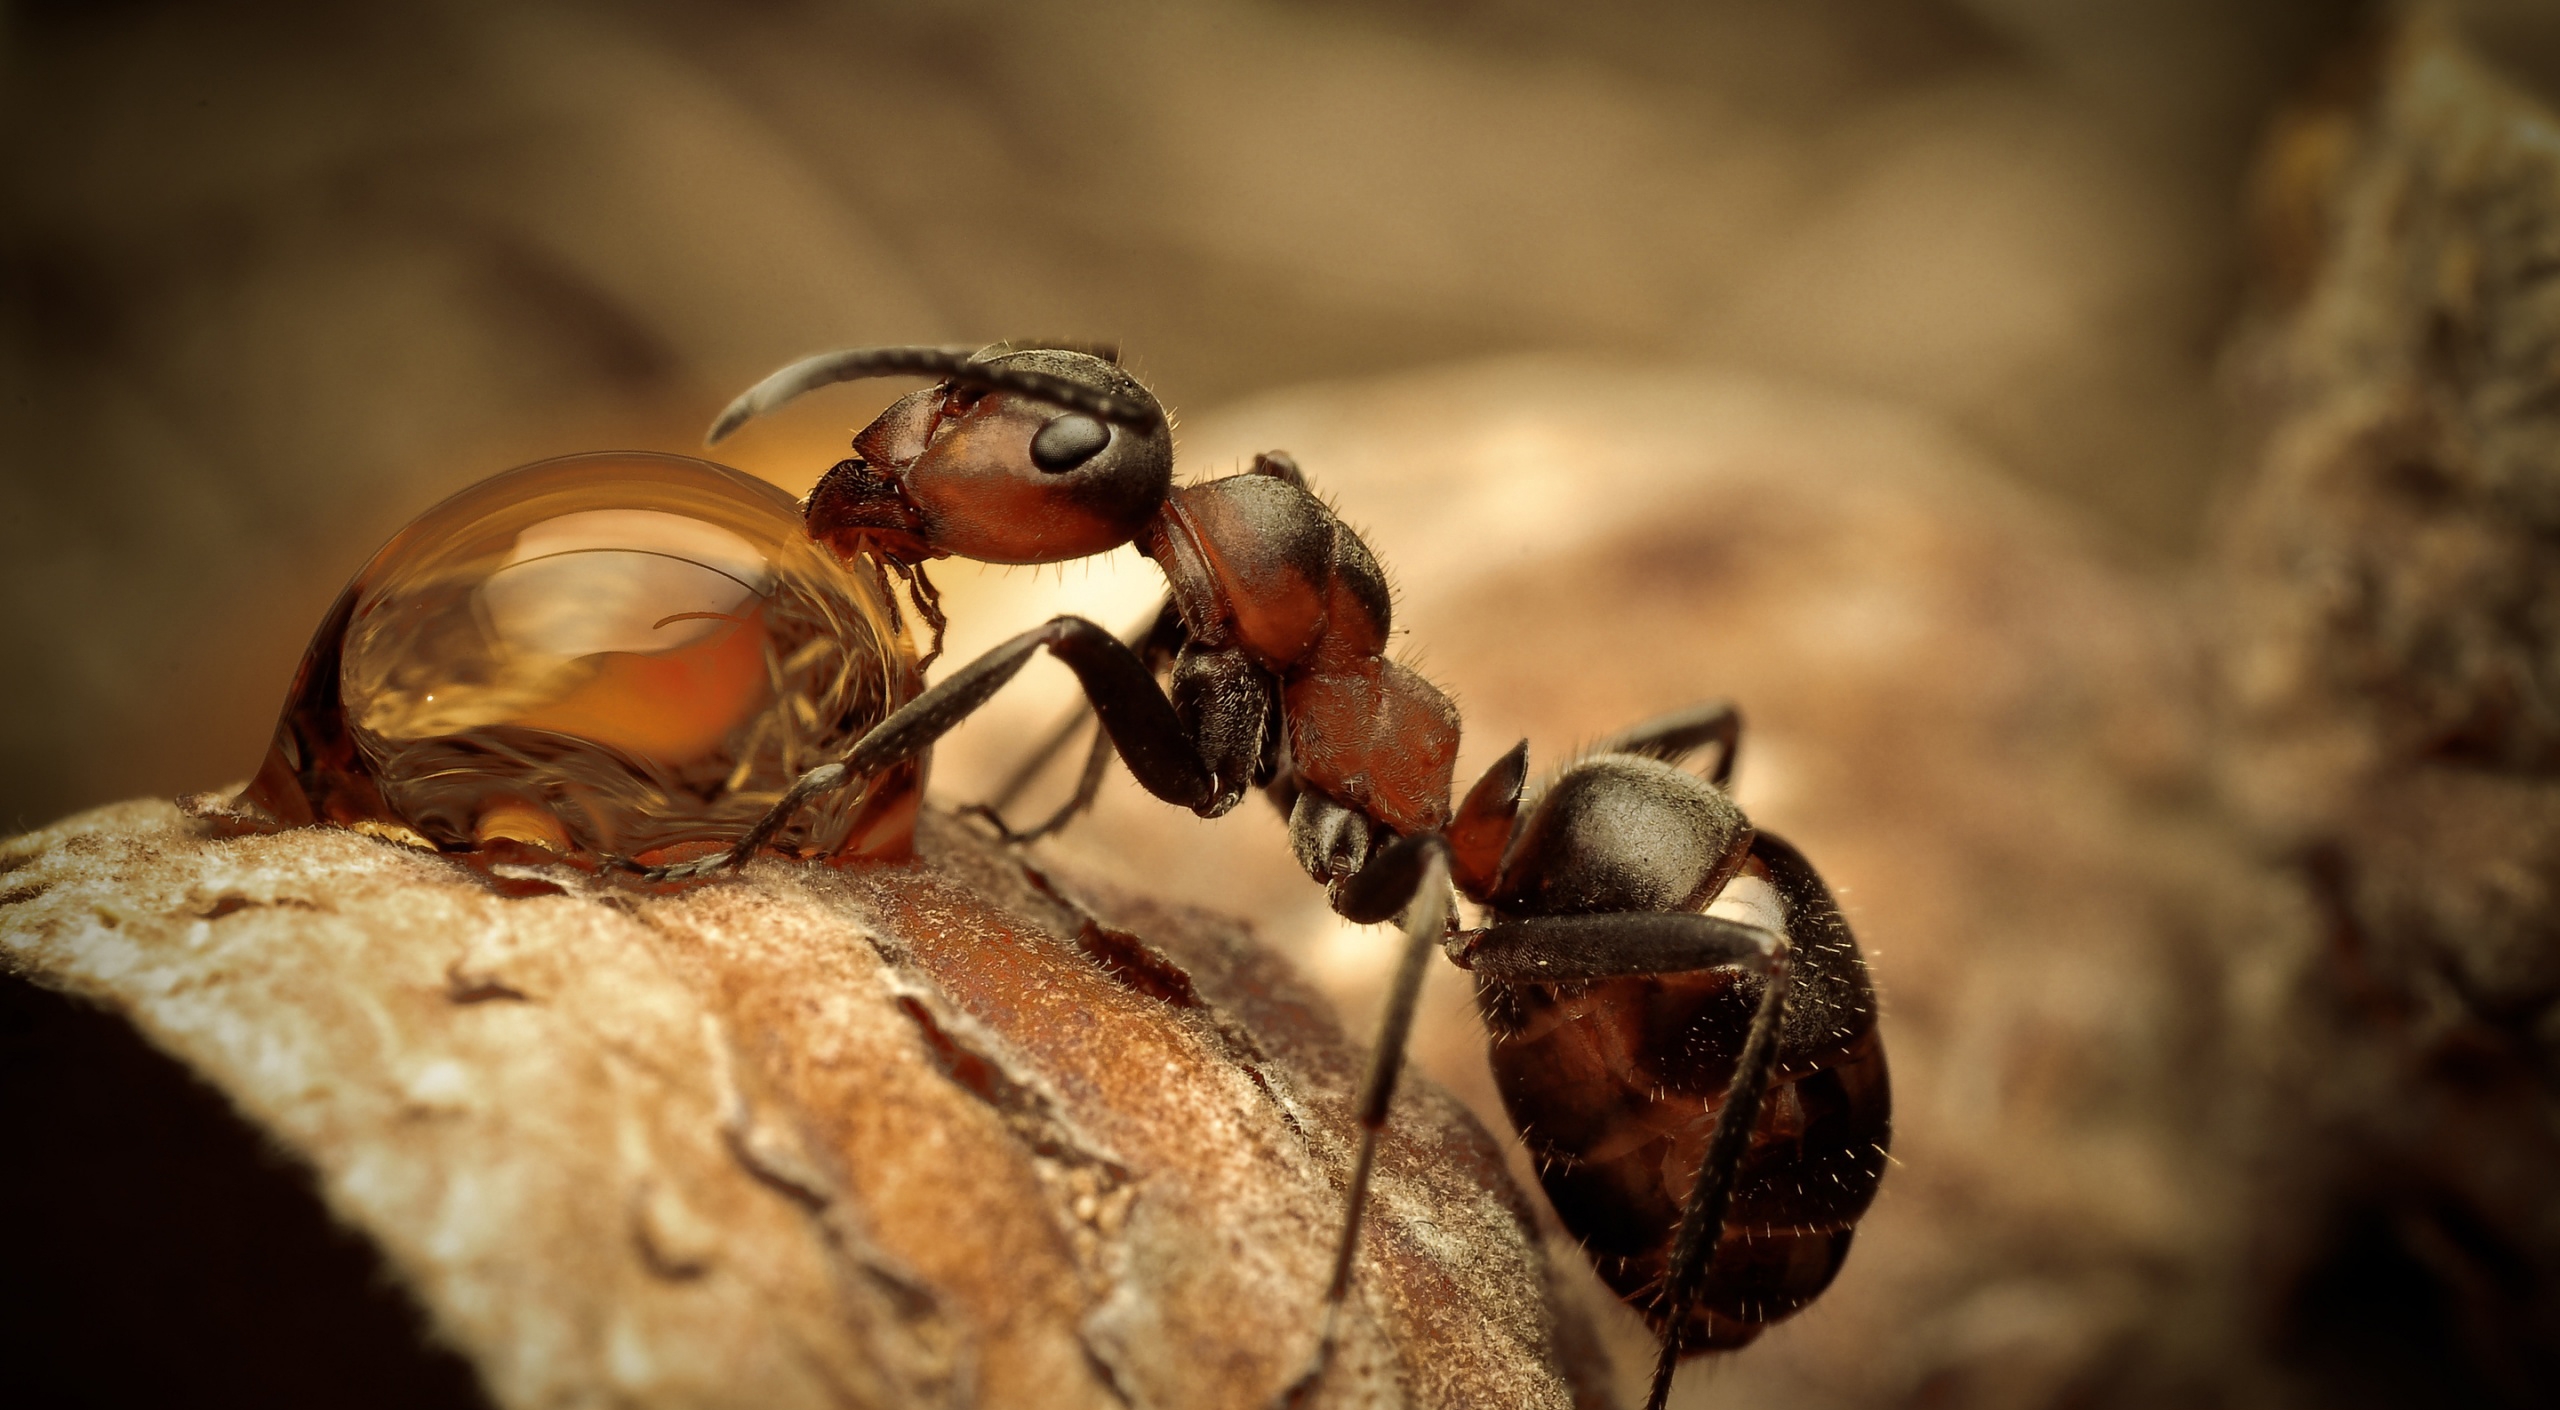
x=1030, y=456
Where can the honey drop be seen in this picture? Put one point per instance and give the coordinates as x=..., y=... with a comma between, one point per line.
x=622, y=654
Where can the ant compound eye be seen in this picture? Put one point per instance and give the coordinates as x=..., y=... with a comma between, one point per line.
x=1068, y=441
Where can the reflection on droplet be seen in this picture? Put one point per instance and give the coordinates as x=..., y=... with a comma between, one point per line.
x=619, y=653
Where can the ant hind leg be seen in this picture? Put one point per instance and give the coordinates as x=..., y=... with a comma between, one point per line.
x=1677, y=735
x=1552, y=949
x=1411, y=875
x=1611, y=944
x=1693, y=1248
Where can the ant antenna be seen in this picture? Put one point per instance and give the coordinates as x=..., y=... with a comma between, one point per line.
x=1108, y=351
x=959, y=365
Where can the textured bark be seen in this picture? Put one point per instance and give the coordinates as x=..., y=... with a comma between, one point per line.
x=2392, y=684
x=939, y=1134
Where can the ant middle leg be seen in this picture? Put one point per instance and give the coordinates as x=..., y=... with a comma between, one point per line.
x=1097, y=762
x=1158, y=641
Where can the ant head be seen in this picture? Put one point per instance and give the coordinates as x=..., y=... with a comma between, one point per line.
x=1031, y=456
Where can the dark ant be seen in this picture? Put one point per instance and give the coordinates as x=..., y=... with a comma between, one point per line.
x=1620, y=1009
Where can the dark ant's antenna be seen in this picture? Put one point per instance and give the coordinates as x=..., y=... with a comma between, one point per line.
x=961, y=365
x=1109, y=352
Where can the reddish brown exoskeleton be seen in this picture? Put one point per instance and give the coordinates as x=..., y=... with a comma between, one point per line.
x=1651, y=959
x=1683, y=1029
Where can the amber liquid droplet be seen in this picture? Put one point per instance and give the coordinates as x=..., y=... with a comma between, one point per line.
x=623, y=654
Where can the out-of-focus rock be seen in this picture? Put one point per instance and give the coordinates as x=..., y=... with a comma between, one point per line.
x=948, y=1133
x=2391, y=672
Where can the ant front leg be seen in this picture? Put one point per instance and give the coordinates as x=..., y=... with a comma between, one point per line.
x=1222, y=703
x=1141, y=723
x=1159, y=642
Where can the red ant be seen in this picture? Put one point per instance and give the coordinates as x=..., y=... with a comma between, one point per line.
x=1706, y=1097
x=1678, y=1075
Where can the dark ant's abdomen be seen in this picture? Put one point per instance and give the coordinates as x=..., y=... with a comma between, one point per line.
x=1614, y=1086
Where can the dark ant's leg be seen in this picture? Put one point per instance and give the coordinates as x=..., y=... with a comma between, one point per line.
x=1333, y=843
x=1157, y=642
x=1097, y=762
x=1411, y=875
x=1271, y=772
x=1673, y=737
x=1693, y=1249
x=1035, y=763
x=1565, y=948
x=1562, y=949
x=1135, y=714
x=1279, y=465
x=1223, y=701
x=1814, y=925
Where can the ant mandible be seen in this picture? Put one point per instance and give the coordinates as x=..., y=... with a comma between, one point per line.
x=1642, y=1045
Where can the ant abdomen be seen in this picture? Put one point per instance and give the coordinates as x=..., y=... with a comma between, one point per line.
x=1614, y=1083
x=1614, y=1086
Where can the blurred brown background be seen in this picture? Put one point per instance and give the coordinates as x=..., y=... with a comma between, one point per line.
x=280, y=275
x=1857, y=358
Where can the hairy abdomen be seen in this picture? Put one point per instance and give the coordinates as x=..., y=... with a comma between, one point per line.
x=1614, y=1085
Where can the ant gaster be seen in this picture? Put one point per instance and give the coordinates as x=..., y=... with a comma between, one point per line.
x=1680, y=1076
x=1622, y=1013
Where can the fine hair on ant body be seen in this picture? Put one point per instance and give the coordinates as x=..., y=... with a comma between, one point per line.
x=1705, y=1095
